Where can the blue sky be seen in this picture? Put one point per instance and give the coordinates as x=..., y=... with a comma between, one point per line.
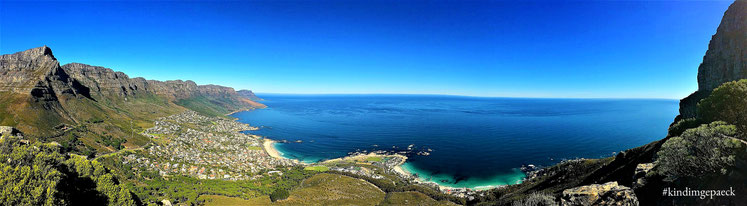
x=597, y=49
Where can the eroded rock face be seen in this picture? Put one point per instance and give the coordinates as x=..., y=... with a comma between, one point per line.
x=104, y=80
x=595, y=194
x=216, y=90
x=109, y=82
x=726, y=57
x=38, y=73
x=639, y=177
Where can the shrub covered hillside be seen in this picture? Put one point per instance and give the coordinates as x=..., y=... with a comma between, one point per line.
x=38, y=174
x=726, y=103
x=708, y=151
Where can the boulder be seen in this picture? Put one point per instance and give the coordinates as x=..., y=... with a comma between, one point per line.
x=6, y=131
x=599, y=194
x=640, y=173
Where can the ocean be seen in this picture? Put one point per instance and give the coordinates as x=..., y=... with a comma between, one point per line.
x=472, y=142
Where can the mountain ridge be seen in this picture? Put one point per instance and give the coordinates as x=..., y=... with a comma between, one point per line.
x=45, y=100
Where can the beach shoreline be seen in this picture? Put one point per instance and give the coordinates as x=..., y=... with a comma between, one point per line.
x=407, y=174
x=269, y=146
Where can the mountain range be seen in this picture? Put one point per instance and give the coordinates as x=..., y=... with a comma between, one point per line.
x=91, y=109
x=47, y=101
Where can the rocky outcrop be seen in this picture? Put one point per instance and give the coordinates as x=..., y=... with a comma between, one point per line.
x=9, y=131
x=249, y=94
x=726, y=57
x=605, y=194
x=639, y=177
x=37, y=72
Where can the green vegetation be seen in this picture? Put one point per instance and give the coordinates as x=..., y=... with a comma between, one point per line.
x=279, y=194
x=255, y=148
x=38, y=174
x=320, y=168
x=706, y=150
x=187, y=190
x=210, y=106
x=536, y=199
x=412, y=198
x=678, y=128
x=332, y=189
x=726, y=103
x=374, y=159
x=218, y=200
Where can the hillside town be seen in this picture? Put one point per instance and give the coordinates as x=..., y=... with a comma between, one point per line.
x=204, y=147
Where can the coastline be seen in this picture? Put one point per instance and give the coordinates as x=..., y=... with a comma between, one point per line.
x=443, y=188
x=269, y=146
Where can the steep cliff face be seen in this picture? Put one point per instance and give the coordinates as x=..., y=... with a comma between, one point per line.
x=38, y=73
x=726, y=58
x=34, y=90
x=106, y=83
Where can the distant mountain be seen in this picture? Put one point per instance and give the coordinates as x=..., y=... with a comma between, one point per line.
x=249, y=94
x=78, y=101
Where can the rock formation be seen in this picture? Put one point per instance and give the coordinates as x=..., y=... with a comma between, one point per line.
x=639, y=178
x=38, y=73
x=726, y=57
x=595, y=194
x=7, y=131
x=109, y=82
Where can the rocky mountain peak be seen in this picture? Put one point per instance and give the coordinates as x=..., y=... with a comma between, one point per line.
x=37, y=72
x=726, y=57
x=43, y=51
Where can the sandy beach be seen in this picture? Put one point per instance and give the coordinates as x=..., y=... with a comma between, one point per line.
x=269, y=146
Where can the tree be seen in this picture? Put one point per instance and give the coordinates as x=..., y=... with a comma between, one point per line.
x=709, y=149
x=279, y=194
x=726, y=103
x=38, y=174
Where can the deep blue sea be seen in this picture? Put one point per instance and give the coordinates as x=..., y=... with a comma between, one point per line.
x=474, y=141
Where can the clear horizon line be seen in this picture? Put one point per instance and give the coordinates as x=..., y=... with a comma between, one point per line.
x=460, y=95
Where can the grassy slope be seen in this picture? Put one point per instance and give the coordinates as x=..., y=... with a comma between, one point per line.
x=320, y=189
x=212, y=106
x=412, y=198
x=218, y=200
x=332, y=189
x=95, y=122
